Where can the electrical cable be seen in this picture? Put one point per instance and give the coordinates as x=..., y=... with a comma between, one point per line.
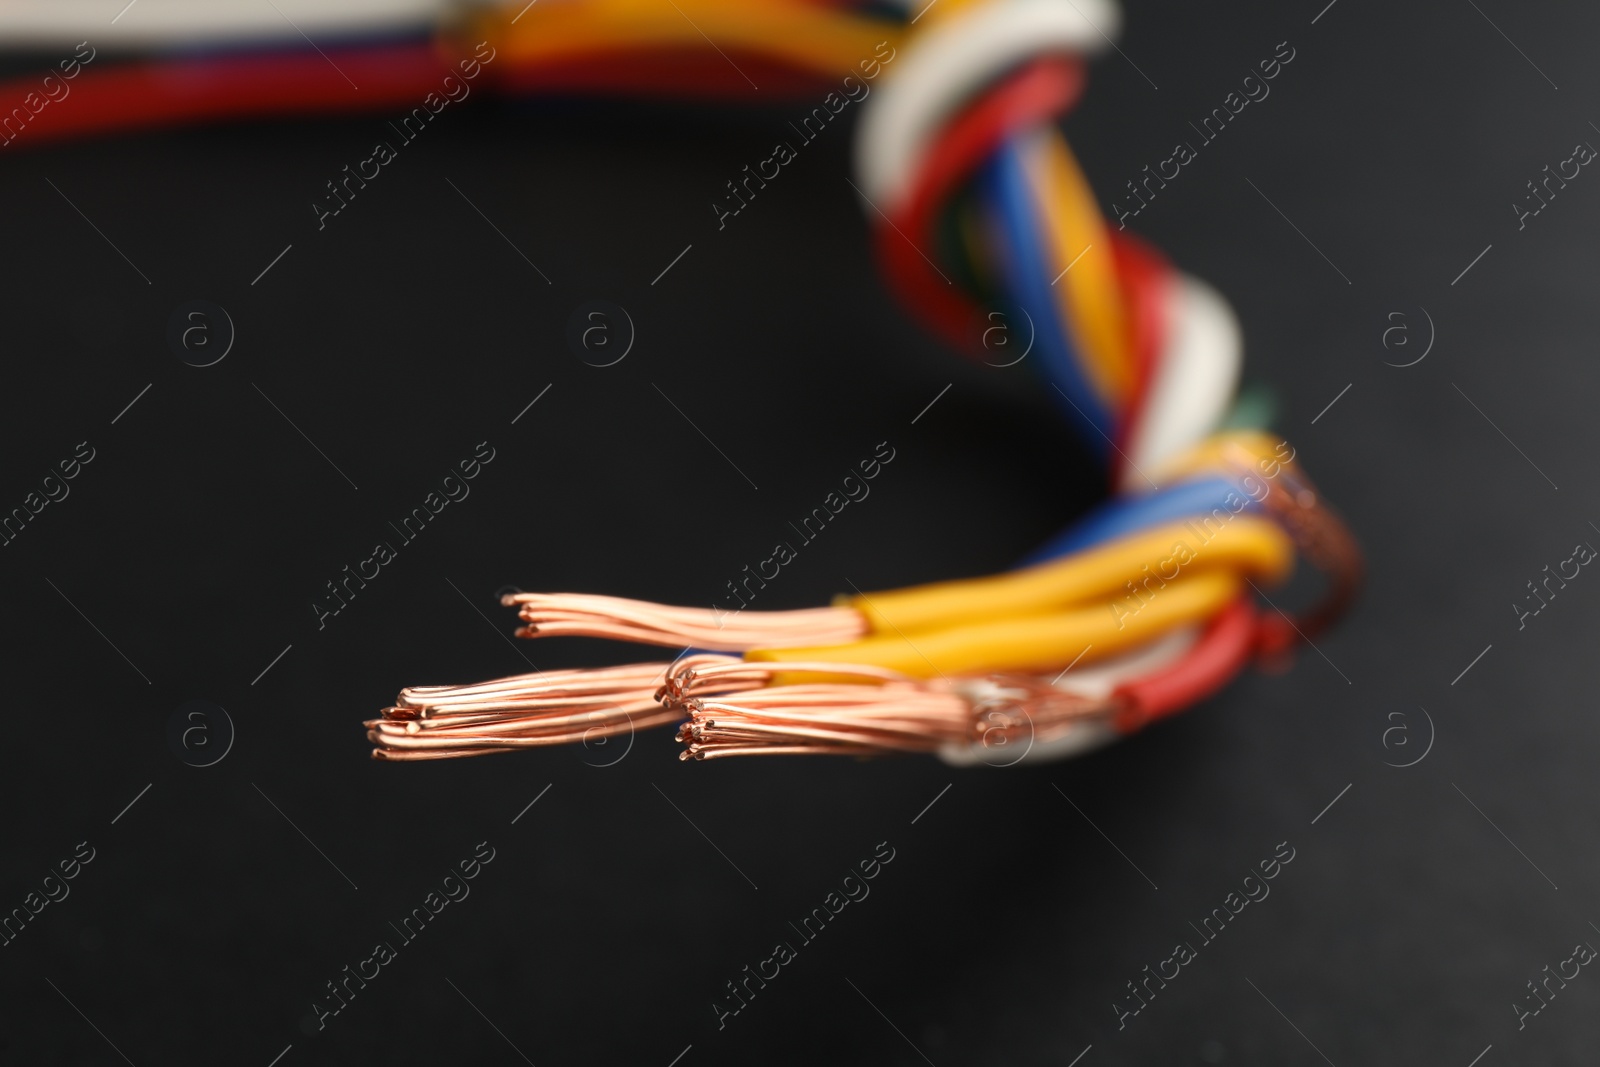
x=985, y=227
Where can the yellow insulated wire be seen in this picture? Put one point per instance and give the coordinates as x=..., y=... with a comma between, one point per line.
x=1173, y=553
x=939, y=10
x=807, y=35
x=1088, y=293
x=1030, y=643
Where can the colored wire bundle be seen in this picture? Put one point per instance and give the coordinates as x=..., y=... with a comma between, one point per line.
x=1136, y=612
x=981, y=214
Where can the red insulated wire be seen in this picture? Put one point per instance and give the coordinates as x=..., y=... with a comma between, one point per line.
x=1145, y=278
x=215, y=88
x=1222, y=652
x=1035, y=94
x=147, y=95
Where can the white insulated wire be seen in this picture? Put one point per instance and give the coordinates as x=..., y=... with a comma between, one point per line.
x=1195, y=378
x=196, y=23
x=950, y=63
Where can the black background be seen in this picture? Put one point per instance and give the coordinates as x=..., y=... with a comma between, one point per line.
x=409, y=330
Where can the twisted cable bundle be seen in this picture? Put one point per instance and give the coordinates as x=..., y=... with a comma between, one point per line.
x=983, y=223
x=1136, y=612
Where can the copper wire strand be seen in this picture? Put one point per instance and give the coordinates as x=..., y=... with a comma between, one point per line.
x=893, y=716
x=393, y=740
x=561, y=707
x=694, y=676
x=616, y=618
x=529, y=710
x=1317, y=531
x=732, y=708
x=384, y=734
x=549, y=687
x=515, y=722
x=390, y=755
x=701, y=753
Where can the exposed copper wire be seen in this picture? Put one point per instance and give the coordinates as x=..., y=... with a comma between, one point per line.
x=774, y=750
x=894, y=715
x=527, y=711
x=733, y=709
x=561, y=707
x=694, y=676
x=586, y=615
x=552, y=689
x=1319, y=533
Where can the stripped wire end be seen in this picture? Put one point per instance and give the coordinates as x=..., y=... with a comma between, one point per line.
x=1326, y=542
x=619, y=619
x=705, y=675
x=825, y=719
x=522, y=711
x=889, y=714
